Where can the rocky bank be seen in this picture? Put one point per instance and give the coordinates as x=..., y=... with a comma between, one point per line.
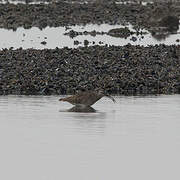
x=125, y=70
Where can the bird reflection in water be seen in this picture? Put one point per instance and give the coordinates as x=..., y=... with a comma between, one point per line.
x=86, y=109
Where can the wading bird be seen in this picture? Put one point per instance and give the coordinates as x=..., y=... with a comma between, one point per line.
x=86, y=98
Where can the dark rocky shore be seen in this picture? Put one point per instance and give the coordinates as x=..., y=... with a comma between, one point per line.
x=125, y=70
x=65, y=13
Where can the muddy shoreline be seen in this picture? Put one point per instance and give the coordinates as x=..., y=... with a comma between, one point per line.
x=118, y=70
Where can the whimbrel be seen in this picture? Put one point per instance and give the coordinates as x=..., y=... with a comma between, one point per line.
x=87, y=98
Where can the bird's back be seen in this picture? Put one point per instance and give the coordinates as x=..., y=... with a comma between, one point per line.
x=87, y=98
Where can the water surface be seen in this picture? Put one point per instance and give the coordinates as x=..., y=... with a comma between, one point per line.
x=54, y=37
x=137, y=138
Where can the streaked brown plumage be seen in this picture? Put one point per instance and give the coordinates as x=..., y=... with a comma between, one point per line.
x=87, y=98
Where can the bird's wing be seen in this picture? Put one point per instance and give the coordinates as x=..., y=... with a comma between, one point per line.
x=82, y=97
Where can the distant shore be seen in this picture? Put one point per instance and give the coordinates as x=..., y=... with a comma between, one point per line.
x=66, y=13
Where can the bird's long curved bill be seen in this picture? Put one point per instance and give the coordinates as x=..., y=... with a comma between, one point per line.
x=110, y=97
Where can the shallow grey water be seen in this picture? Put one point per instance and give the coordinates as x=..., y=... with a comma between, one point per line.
x=137, y=138
x=54, y=37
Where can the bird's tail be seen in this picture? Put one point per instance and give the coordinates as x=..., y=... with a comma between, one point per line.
x=62, y=99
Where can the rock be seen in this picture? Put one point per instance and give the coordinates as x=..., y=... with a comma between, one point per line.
x=133, y=38
x=76, y=42
x=43, y=42
x=120, y=32
x=171, y=22
x=86, y=42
